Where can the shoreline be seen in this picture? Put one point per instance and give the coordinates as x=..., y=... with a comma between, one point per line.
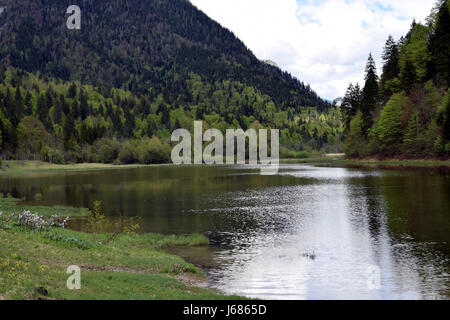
x=17, y=167
x=388, y=163
x=133, y=266
x=31, y=166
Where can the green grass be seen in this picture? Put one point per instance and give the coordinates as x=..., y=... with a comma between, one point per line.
x=11, y=205
x=399, y=163
x=131, y=267
x=20, y=167
x=342, y=161
x=323, y=159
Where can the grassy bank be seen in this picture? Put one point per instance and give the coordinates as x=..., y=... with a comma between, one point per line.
x=18, y=167
x=23, y=167
x=313, y=160
x=339, y=160
x=131, y=267
x=398, y=163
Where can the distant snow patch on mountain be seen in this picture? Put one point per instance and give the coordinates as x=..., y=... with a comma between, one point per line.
x=271, y=63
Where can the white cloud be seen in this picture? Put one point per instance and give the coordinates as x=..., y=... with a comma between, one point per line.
x=322, y=42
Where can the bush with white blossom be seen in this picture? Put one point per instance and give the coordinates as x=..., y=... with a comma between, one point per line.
x=58, y=221
x=31, y=220
x=36, y=222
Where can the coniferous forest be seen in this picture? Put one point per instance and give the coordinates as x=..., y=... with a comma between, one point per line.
x=406, y=111
x=114, y=90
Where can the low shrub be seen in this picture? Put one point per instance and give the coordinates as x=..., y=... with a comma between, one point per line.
x=36, y=222
x=71, y=241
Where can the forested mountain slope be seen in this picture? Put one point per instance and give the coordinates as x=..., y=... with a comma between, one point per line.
x=138, y=69
x=139, y=45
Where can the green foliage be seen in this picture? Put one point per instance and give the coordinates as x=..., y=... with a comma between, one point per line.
x=69, y=240
x=96, y=222
x=413, y=118
x=408, y=76
x=127, y=152
x=152, y=151
x=51, y=155
x=351, y=104
x=106, y=86
x=288, y=154
x=355, y=144
x=369, y=94
x=439, y=44
x=415, y=55
x=106, y=150
x=106, y=89
x=444, y=116
x=389, y=128
x=106, y=230
x=411, y=143
x=32, y=138
x=117, y=126
x=391, y=68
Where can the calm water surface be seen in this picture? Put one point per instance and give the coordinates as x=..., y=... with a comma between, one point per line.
x=306, y=233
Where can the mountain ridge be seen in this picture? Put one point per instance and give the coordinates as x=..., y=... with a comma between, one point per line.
x=135, y=44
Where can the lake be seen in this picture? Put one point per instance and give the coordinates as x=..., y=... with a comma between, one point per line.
x=310, y=232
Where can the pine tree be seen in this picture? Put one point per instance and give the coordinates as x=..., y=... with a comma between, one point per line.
x=49, y=94
x=19, y=106
x=64, y=105
x=69, y=128
x=369, y=94
x=391, y=66
x=10, y=108
x=408, y=76
x=57, y=113
x=390, y=56
x=439, y=44
x=165, y=116
x=75, y=109
x=84, y=107
x=72, y=91
x=42, y=111
x=351, y=104
x=447, y=121
x=28, y=104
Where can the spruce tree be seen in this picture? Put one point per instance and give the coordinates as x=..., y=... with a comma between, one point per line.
x=72, y=91
x=84, y=107
x=10, y=108
x=391, y=66
x=75, y=109
x=351, y=104
x=408, y=76
x=42, y=111
x=369, y=94
x=446, y=126
x=57, y=113
x=28, y=104
x=439, y=44
x=390, y=56
x=69, y=128
x=19, y=106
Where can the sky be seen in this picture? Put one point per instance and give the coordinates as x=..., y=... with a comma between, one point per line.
x=321, y=42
